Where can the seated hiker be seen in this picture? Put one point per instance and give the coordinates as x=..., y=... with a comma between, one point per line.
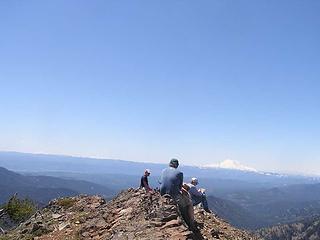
x=144, y=181
x=171, y=183
x=171, y=180
x=198, y=195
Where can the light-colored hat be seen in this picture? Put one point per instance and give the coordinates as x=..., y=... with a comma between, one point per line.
x=147, y=171
x=195, y=180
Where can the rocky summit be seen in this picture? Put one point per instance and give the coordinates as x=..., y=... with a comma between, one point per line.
x=133, y=214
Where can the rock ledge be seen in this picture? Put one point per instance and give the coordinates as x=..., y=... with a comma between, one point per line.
x=133, y=214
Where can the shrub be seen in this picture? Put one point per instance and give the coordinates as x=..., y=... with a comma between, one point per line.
x=66, y=202
x=20, y=209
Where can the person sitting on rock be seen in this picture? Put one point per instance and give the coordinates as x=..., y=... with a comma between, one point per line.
x=198, y=195
x=171, y=180
x=144, y=181
x=171, y=183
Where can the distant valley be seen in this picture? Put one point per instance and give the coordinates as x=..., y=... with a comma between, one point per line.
x=43, y=188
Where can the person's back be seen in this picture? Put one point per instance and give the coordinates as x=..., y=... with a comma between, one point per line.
x=194, y=192
x=171, y=182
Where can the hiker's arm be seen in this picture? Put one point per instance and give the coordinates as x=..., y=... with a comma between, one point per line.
x=193, y=191
x=180, y=177
x=160, y=181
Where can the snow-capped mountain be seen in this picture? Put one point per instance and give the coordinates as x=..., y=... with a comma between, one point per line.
x=230, y=164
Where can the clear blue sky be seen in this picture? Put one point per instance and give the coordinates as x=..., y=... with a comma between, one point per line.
x=148, y=80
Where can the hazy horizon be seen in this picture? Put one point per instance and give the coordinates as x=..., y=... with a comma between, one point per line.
x=224, y=164
x=148, y=81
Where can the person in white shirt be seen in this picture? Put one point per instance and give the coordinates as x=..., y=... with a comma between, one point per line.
x=198, y=195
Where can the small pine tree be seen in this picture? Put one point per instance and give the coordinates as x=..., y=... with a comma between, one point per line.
x=20, y=209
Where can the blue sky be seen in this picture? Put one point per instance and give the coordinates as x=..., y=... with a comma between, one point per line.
x=150, y=80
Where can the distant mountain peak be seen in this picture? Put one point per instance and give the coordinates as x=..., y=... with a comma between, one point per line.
x=231, y=164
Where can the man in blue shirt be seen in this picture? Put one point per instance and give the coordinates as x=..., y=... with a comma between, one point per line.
x=171, y=180
x=171, y=183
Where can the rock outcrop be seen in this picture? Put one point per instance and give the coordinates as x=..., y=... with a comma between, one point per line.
x=6, y=223
x=133, y=214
